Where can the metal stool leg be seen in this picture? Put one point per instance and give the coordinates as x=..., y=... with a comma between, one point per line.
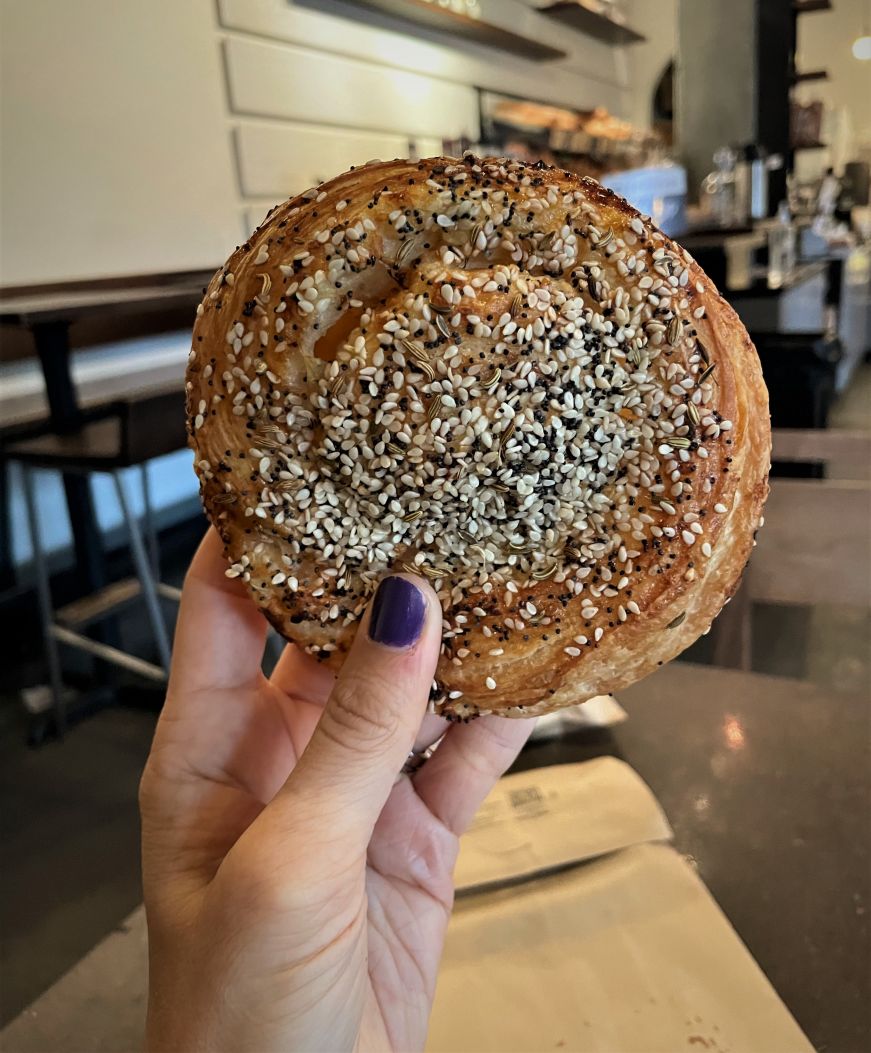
x=143, y=572
x=46, y=612
x=148, y=523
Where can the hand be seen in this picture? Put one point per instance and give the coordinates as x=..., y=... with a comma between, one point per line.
x=297, y=889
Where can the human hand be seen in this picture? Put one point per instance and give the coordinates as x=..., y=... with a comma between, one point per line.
x=297, y=890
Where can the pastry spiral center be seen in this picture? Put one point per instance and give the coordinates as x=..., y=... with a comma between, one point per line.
x=486, y=424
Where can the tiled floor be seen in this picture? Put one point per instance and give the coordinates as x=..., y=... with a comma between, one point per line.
x=69, y=822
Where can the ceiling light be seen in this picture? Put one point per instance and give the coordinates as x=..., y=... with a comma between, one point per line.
x=862, y=48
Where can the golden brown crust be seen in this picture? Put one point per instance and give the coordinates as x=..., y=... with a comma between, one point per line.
x=501, y=375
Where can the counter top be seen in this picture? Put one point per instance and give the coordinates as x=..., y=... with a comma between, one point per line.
x=767, y=783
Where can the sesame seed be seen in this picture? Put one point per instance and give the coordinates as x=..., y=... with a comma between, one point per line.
x=535, y=473
x=490, y=683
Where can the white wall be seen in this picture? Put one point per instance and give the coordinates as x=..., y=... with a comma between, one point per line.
x=114, y=155
x=151, y=135
x=313, y=91
x=142, y=135
x=825, y=40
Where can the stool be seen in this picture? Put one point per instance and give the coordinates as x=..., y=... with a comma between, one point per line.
x=124, y=435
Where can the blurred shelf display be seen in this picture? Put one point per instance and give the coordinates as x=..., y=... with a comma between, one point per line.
x=806, y=125
x=596, y=18
x=586, y=142
x=804, y=7
x=814, y=74
x=461, y=18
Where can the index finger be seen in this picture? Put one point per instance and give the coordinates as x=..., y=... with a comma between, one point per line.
x=220, y=636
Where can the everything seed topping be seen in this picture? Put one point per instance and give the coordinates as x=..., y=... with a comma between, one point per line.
x=498, y=391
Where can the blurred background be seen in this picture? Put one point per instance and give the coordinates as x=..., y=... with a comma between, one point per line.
x=140, y=142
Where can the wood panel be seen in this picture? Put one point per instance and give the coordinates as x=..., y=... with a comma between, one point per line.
x=846, y=448
x=284, y=81
x=815, y=546
x=278, y=160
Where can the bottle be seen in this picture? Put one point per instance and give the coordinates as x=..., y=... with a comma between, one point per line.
x=781, y=247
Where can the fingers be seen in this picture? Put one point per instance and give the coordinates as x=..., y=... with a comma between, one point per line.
x=374, y=711
x=429, y=732
x=220, y=635
x=301, y=676
x=462, y=771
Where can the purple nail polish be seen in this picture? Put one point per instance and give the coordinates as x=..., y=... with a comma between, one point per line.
x=398, y=613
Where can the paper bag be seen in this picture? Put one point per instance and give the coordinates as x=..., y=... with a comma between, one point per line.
x=577, y=928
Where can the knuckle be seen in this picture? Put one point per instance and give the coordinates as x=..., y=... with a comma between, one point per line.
x=431, y=856
x=359, y=715
x=484, y=762
x=248, y=881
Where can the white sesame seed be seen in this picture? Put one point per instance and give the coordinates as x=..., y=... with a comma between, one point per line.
x=490, y=683
x=516, y=465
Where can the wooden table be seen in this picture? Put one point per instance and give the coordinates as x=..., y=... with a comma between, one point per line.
x=767, y=783
x=48, y=314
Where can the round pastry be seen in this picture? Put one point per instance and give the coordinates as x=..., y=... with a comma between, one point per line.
x=499, y=376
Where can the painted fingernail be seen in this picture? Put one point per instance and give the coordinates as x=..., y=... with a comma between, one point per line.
x=398, y=613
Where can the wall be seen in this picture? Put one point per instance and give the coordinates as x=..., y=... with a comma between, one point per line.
x=657, y=21
x=152, y=136
x=148, y=136
x=114, y=159
x=313, y=91
x=825, y=40
x=715, y=84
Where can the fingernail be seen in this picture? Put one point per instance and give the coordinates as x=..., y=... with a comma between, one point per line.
x=398, y=613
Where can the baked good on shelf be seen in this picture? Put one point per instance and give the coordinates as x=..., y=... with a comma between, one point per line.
x=502, y=377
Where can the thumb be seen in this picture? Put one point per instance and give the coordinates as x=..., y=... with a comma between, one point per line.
x=372, y=716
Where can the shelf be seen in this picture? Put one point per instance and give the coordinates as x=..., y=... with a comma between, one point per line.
x=591, y=18
x=429, y=15
x=810, y=146
x=804, y=7
x=814, y=74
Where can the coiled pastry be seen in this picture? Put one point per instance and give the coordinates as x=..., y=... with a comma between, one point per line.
x=502, y=377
